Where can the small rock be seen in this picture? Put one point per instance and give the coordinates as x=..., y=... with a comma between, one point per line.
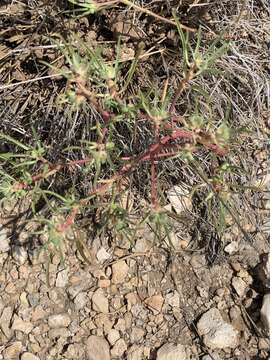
x=75, y=351
x=171, y=352
x=97, y=348
x=173, y=299
x=21, y=325
x=211, y=357
x=59, y=333
x=231, y=248
x=264, y=344
x=180, y=199
x=102, y=255
x=119, y=272
x=113, y=336
x=23, y=299
x=132, y=299
x=81, y=300
x=4, y=240
x=119, y=348
x=19, y=254
x=29, y=356
x=13, y=351
x=59, y=321
x=135, y=353
x=104, y=283
x=142, y=245
x=136, y=334
x=265, y=312
x=38, y=313
x=120, y=325
x=62, y=278
x=33, y=299
x=99, y=302
x=217, y=334
x=5, y=321
x=239, y=286
x=236, y=266
x=155, y=303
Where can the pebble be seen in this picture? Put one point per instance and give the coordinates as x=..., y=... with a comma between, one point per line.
x=119, y=272
x=173, y=299
x=5, y=321
x=231, y=248
x=59, y=321
x=29, y=356
x=136, y=334
x=20, y=325
x=180, y=199
x=113, y=336
x=142, y=245
x=119, y=348
x=62, y=278
x=217, y=334
x=19, y=254
x=135, y=353
x=239, y=286
x=102, y=255
x=155, y=303
x=211, y=357
x=265, y=312
x=81, y=300
x=97, y=348
x=12, y=352
x=58, y=332
x=264, y=344
x=99, y=302
x=171, y=352
x=4, y=240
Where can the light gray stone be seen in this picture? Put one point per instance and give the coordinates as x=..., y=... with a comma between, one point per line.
x=102, y=255
x=239, y=286
x=29, y=356
x=135, y=352
x=62, y=278
x=216, y=333
x=4, y=240
x=119, y=348
x=100, y=302
x=136, y=334
x=13, y=351
x=97, y=348
x=59, y=321
x=119, y=272
x=170, y=351
x=20, y=325
x=19, y=254
x=81, y=300
x=5, y=321
x=231, y=248
x=113, y=336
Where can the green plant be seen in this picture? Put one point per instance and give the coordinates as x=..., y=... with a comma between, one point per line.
x=94, y=83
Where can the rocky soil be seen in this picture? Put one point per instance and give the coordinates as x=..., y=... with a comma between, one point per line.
x=134, y=302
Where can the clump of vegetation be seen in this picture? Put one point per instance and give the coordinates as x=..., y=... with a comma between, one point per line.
x=110, y=159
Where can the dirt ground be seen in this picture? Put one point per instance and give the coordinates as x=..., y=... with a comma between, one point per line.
x=197, y=296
